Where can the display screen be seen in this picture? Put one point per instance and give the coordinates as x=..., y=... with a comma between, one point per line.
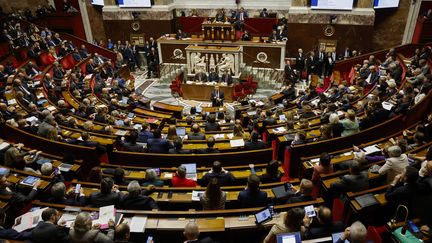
x=134, y=3
x=332, y=4
x=386, y=3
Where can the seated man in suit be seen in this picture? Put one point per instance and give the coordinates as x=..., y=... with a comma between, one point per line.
x=252, y=196
x=131, y=145
x=180, y=34
x=225, y=178
x=48, y=231
x=201, y=76
x=226, y=77
x=178, y=148
x=213, y=76
x=109, y=194
x=136, y=199
x=274, y=36
x=264, y=13
x=356, y=181
x=191, y=233
x=211, y=124
x=304, y=194
x=323, y=225
x=196, y=134
x=255, y=143
x=85, y=136
x=246, y=36
x=90, y=66
x=209, y=149
x=157, y=144
x=217, y=96
x=60, y=196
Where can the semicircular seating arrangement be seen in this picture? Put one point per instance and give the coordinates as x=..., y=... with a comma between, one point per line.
x=72, y=124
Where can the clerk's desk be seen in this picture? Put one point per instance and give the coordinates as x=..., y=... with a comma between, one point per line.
x=202, y=91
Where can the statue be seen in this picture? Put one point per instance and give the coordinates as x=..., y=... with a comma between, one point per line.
x=225, y=63
x=199, y=63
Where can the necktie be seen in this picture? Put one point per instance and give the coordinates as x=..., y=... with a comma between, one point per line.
x=226, y=78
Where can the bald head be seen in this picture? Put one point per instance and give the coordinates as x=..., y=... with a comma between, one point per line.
x=324, y=215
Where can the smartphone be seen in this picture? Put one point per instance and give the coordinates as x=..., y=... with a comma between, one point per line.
x=170, y=194
x=149, y=239
x=77, y=188
x=159, y=194
x=271, y=209
x=413, y=227
x=56, y=171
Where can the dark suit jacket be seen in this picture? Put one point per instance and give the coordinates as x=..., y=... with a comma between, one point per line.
x=141, y=202
x=255, y=145
x=97, y=199
x=133, y=147
x=143, y=136
x=352, y=183
x=299, y=198
x=213, y=77
x=249, y=199
x=212, y=127
x=213, y=97
x=225, y=179
x=201, y=77
x=47, y=232
x=11, y=234
x=158, y=145
x=89, y=68
x=300, y=62
x=196, y=136
x=274, y=37
x=227, y=78
x=77, y=201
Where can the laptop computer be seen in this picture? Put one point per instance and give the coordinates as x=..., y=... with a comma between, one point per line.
x=181, y=131
x=191, y=172
x=263, y=216
x=289, y=238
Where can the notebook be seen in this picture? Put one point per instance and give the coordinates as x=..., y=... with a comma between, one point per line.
x=367, y=200
x=237, y=143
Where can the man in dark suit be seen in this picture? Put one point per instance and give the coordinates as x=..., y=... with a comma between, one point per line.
x=130, y=145
x=264, y=13
x=196, y=134
x=201, y=76
x=269, y=120
x=289, y=72
x=48, y=231
x=300, y=60
x=145, y=133
x=178, y=147
x=209, y=149
x=311, y=63
x=255, y=143
x=226, y=77
x=157, y=144
x=109, y=194
x=85, y=136
x=274, y=36
x=90, y=66
x=60, y=196
x=211, y=124
x=58, y=72
x=356, y=181
x=404, y=187
x=320, y=57
x=304, y=194
x=83, y=52
x=241, y=15
x=252, y=196
x=31, y=69
x=136, y=198
x=180, y=34
x=372, y=77
x=322, y=225
x=246, y=36
x=347, y=53
x=213, y=76
x=225, y=178
x=217, y=96
x=191, y=233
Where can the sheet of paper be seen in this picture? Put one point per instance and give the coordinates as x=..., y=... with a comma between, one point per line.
x=138, y=224
x=237, y=143
x=371, y=149
x=196, y=195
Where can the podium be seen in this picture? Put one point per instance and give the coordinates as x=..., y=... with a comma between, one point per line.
x=224, y=32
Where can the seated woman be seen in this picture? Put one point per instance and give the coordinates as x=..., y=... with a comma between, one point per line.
x=172, y=132
x=151, y=178
x=213, y=198
x=292, y=222
x=15, y=158
x=272, y=173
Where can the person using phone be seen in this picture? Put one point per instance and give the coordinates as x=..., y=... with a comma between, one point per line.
x=321, y=224
x=191, y=233
x=59, y=195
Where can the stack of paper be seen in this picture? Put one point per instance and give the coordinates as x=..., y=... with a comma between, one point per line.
x=279, y=130
x=138, y=224
x=105, y=214
x=28, y=220
x=371, y=149
x=196, y=195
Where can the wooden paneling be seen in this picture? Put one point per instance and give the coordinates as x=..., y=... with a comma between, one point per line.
x=121, y=29
x=250, y=56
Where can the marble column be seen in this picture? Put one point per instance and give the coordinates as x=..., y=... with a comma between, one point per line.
x=411, y=22
x=364, y=4
x=86, y=21
x=299, y=3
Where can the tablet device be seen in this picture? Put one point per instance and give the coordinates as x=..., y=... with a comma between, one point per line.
x=289, y=238
x=310, y=211
x=181, y=131
x=336, y=237
x=263, y=216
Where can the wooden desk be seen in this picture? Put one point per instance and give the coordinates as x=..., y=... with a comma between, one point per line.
x=175, y=109
x=202, y=92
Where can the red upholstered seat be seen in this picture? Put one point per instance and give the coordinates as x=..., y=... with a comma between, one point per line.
x=238, y=92
x=247, y=88
x=373, y=235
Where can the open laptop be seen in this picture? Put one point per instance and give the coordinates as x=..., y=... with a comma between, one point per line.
x=289, y=238
x=191, y=172
x=181, y=131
